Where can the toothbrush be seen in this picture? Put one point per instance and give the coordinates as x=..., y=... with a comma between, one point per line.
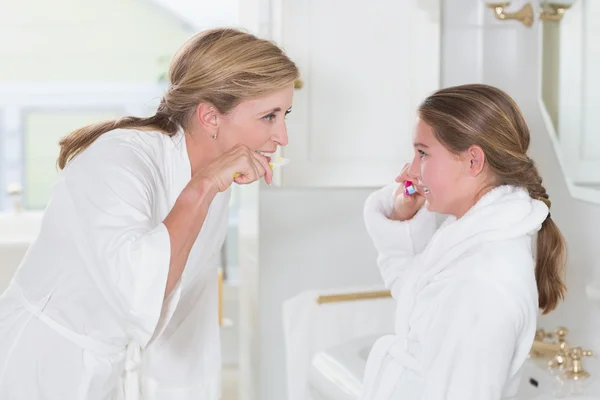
x=278, y=162
x=275, y=162
x=409, y=188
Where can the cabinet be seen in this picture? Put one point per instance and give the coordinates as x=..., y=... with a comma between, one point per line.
x=365, y=67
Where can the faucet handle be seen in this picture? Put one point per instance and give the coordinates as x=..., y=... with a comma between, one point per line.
x=562, y=356
x=541, y=334
x=561, y=333
x=576, y=371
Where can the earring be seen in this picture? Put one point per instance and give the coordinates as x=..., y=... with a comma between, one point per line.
x=214, y=136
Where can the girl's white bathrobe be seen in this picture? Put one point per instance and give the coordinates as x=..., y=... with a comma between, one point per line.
x=84, y=317
x=467, y=298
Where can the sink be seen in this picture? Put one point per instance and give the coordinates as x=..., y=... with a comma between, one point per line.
x=337, y=374
x=539, y=383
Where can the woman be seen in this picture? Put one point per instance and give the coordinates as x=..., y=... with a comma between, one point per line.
x=117, y=297
x=468, y=293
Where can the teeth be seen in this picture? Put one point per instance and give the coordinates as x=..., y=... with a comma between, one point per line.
x=275, y=161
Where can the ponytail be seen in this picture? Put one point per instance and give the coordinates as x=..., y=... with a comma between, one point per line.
x=78, y=140
x=550, y=264
x=551, y=248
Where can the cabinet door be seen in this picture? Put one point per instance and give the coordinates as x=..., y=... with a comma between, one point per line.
x=365, y=68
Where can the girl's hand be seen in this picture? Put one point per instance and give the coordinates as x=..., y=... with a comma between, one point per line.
x=405, y=207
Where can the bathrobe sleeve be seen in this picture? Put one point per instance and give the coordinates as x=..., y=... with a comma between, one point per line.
x=397, y=242
x=113, y=186
x=469, y=348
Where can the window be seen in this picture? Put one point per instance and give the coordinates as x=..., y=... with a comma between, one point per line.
x=42, y=132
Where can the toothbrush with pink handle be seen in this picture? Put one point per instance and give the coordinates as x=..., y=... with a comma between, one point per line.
x=409, y=188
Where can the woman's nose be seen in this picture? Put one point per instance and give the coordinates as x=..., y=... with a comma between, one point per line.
x=281, y=137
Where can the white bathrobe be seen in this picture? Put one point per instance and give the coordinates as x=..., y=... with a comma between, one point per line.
x=84, y=317
x=466, y=298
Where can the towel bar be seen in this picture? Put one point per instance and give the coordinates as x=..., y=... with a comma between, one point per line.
x=353, y=296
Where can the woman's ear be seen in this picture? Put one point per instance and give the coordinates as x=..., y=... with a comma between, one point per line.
x=208, y=117
x=476, y=160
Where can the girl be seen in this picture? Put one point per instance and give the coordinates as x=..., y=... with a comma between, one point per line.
x=117, y=297
x=468, y=293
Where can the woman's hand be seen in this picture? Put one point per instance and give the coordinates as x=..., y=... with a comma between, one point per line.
x=405, y=207
x=240, y=164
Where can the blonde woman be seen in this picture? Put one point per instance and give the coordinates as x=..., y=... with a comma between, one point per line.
x=117, y=297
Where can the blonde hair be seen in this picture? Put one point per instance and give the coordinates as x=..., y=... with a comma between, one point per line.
x=485, y=116
x=221, y=67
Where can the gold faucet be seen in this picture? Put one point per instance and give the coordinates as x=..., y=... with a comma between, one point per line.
x=574, y=363
x=561, y=355
x=545, y=349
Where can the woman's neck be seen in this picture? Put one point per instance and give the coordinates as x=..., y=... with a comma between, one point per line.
x=201, y=149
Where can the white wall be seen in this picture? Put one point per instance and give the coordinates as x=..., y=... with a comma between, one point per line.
x=202, y=14
x=79, y=41
x=309, y=239
x=304, y=252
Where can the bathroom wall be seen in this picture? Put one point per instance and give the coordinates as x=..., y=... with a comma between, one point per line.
x=309, y=239
x=308, y=253
x=73, y=45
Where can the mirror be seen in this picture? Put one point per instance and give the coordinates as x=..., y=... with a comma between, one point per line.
x=571, y=90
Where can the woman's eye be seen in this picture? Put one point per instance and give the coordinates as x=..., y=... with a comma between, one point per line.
x=269, y=117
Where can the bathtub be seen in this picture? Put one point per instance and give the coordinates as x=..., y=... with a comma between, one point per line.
x=17, y=231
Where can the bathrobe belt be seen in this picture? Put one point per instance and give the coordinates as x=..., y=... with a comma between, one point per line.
x=131, y=352
x=379, y=377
